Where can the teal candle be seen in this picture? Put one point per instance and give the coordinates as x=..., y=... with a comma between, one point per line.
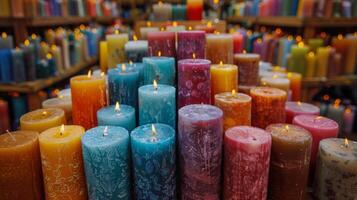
x=5, y=66
x=18, y=65
x=139, y=67
x=153, y=155
x=118, y=115
x=106, y=156
x=298, y=58
x=161, y=69
x=178, y=12
x=157, y=104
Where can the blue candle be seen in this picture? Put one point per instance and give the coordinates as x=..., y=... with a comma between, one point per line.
x=30, y=60
x=179, y=12
x=153, y=155
x=5, y=66
x=18, y=65
x=106, y=156
x=162, y=69
x=118, y=115
x=157, y=104
x=123, y=85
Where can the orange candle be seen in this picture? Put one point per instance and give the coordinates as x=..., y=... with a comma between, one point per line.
x=88, y=96
x=224, y=78
x=62, y=163
x=20, y=166
x=42, y=119
x=219, y=48
x=295, y=85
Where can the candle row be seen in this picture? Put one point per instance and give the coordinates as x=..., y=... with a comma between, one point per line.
x=193, y=10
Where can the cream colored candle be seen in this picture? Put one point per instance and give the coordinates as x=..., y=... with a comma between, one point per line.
x=42, y=119
x=64, y=103
x=116, y=52
x=276, y=82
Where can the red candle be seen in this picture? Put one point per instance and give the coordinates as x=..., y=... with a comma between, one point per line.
x=238, y=43
x=293, y=109
x=246, y=163
x=161, y=44
x=4, y=116
x=194, y=9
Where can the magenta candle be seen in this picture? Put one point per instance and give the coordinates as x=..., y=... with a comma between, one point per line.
x=293, y=109
x=246, y=163
x=238, y=43
x=161, y=44
x=200, y=135
x=194, y=82
x=191, y=44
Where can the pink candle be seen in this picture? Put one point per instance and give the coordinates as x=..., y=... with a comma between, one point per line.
x=293, y=109
x=194, y=83
x=238, y=43
x=191, y=44
x=4, y=116
x=246, y=163
x=161, y=43
x=200, y=135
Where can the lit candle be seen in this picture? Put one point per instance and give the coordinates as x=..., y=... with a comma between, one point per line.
x=207, y=28
x=276, y=82
x=57, y=56
x=106, y=157
x=315, y=43
x=159, y=68
x=42, y=119
x=219, y=47
x=116, y=51
x=6, y=41
x=294, y=109
x=179, y=12
x=248, y=68
x=189, y=43
x=237, y=43
x=118, y=115
x=295, y=85
x=298, y=61
x=164, y=42
x=64, y=103
x=348, y=119
x=136, y=50
x=162, y=11
x=335, y=112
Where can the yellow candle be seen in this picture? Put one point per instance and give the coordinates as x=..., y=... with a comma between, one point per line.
x=116, y=46
x=295, y=85
x=42, y=119
x=311, y=64
x=103, y=56
x=323, y=54
x=224, y=78
x=62, y=163
x=20, y=166
x=276, y=82
x=64, y=103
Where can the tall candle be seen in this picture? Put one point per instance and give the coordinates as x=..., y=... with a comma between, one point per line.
x=295, y=85
x=163, y=43
x=20, y=166
x=136, y=50
x=298, y=61
x=18, y=65
x=118, y=115
x=162, y=69
x=238, y=43
x=5, y=116
x=335, y=112
x=116, y=51
x=64, y=103
x=153, y=150
x=315, y=43
x=276, y=82
x=219, y=48
x=348, y=119
x=246, y=163
x=42, y=119
x=268, y=106
x=191, y=43
x=5, y=66
x=103, y=56
x=294, y=109
x=178, y=12
x=323, y=54
x=223, y=79
x=162, y=11
x=106, y=157
x=194, y=82
x=248, y=69
x=62, y=163
x=290, y=159
x=200, y=144
x=6, y=41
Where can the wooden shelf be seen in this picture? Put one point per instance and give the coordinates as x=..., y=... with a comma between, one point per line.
x=35, y=86
x=57, y=21
x=336, y=81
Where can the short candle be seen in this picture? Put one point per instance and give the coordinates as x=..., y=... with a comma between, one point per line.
x=294, y=109
x=118, y=115
x=224, y=78
x=42, y=119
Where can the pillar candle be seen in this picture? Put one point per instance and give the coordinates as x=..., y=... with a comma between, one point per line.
x=178, y=12
x=153, y=150
x=20, y=166
x=219, y=48
x=246, y=163
x=207, y=28
x=248, y=68
x=61, y=102
x=295, y=85
x=18, y=65
x=276, y=82
x=118, y=115
x=315, y=43
x=290, y=159
x=4, y=115
x=236, y=108
x=145, y=30
x=194, y=82
x=6, y=41
x=103, y=56
x=162, y=69
x=42, y=119
x=123, y=85
x=298, y=61
x=348, y=119
x=157, y=104
x=336, y=170
x=162, y=11
x=62, y=163
x=200, y=134
x=30, y=60
x=5, y=66
x=65, y=93
x=268, y=106
x=311, y=64
x=237, y=43
x=223, y=79
x=139, y=67
x=136, y=50
x=294, y=109
x=194, y=9
x=116, y=53
x=322, y=55
x=191, y=43
x=162, y=43
x=335, y=112
x=88, y=96
x=106, y=158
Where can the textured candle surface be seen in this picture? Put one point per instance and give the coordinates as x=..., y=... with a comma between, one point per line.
x=116, y=49
x=123, y=116
x=224, y=78
x=161, y=69
x=294, y=109
x=189, y=43
x=42, y=119
x=219, y=48
x=163, y=43
x=248, y=65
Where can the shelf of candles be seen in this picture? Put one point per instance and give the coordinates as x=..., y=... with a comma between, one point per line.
x=323, y=81
x=34, y=86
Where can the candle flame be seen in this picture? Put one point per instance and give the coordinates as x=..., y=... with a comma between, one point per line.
x=290, y=37
x=131, y=62
x=117, y=107
x=27, y=42
x=217, y=32
x=348, y=110
x=153, y=130
x=44, y=113
x=209, y=24
x=60, y=96
x=123, y=67
x=33, y=36
x=82, y=27
x=318, y=117
x=287, y=127
x=62, y=129
x=340, y=36
x=135, y=38
x=53, y=47
x=337, y=103
x=102, y=74
x=193, y=55
x=174, y=23
x=221, y=63
x=190, y=28
x=278, y=31
x=323, y=34
x=249, y=32
x=159, y=53
x=116, y=32
x=244, y=51
x=105, y=131
x=49, y=56
x=298, y=38
x=299, y=103
x=301, y=44
x=4, y=35
x=89, y=73
x=346, y=144
x=326, y=97
x=311, y=54
x=160, y=3
x=148, y=23
x=259, y=40
x=155, y=85
x=234, y=92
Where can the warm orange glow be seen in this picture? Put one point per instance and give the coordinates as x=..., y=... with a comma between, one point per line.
x=298, y=39
x=174, y=23
x=301, y=44
x=159, y=53
x=160, y=3
x=346, y=143
x=337, y=103
x=217, y=32
x=82, y=27
x=33, y=36
x=323, y=34
x=275, y=76
x=234, y=92
x=130, y=62
x=49, y=56
x=299, y=103
x=348, y=110
x=287, y=127
x=221, y=62
x=116, y=32
x=135, y=38
x=102, y=74
x=244, y=51
x=4, y=35
x=153, y=130
x=249, y=33
x=290, y=37
x=263, y=29
x=148, y=23
x=326, y=97
x=117, y=107
x=340, y=36
x=194, y=56
x=216, y=1
x=62, y=129
x=278, y=31
x=123, y=67
x=318, y=117
x=44, y=113
x=209, y=24
x=27, y=42
x=155, y=85
x=60, y=96
x=89, y=73
x=311, y=54
x=162, y=29
x=190, y=28
x=53, y=47
x=259, y=41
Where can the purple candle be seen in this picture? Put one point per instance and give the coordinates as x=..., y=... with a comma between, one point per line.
x=200, y=133
x=161, y=44
x=194, y=83
x=191, y=43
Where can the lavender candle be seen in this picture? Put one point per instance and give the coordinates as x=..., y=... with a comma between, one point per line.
x=191, y=43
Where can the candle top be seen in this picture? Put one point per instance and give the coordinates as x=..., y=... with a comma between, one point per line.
x=289, y=133
x=272, y=74
x=65, y=92
x=122, y=111
x=153, y=133
x=149, y=28
x=160, y=89
x=227, y=67
x=248, y=134
x=160, y=34
x=198, y=112
x=275, y=80
x=315, y=121
x=41, y=115
x=114, y=36
x=340, y=148
x=61, y=134
x=195, y=62
x=230, y=97
x=268, y=92
x=191, y=33
x=86, y=78
x=17, y=138
x=158, y=59
x=302, y=107
x=248, y=56
x=293, y=75
x=123, y=69
x=105, y=135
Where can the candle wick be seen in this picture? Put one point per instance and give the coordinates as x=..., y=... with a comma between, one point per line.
x=105, y=132
x=12, y=137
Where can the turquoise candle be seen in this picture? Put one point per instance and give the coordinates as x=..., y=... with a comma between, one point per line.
x=18, y=65
x=161, y=69
x=139, y=67
x=106, y=156
x=123, y=85
x=178, y=12
x=118, y=115
x=157, y=104
x=154, y=161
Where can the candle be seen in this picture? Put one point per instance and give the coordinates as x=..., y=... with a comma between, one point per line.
x=103, y=56
x=223, y=79
x=290, y=159
x=189, y=43
x=298, y=61
x=179, y=12
x=248, y=69
x=175, y=28
x=335, y=112
x=57, y=57
x=30, y=60
x=268, y=106
x=136, y=50
x=163, y=43
x=20, y=166
x=194, y=9
x=159, y=68
x=236, y=108
x=4, y=115
x=311, y=65
x=162, y=11
x=61, y=102
x=237, y=43
x=18, y=65
x=123, y=85
x=106, y=157
x=322, y=55
x=145, y=30
x=246, y=163
x=88, y=96
x=42, y=119
x=315, y=43
x=5, y=66
x=194, y=82
x=348, y=119
x=65, y=93
x=295, y=85
x=336, y=171
x=118, y=115
x=157, y=104
x=276, y=82
x=219, y=48
x=154, y=161
x=200, y=134
x=294, y=109
x=116, y=51
x=62, y=163
x=6, y=41
x=207, y=28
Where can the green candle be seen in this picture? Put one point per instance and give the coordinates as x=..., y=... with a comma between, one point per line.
x=298, y=61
